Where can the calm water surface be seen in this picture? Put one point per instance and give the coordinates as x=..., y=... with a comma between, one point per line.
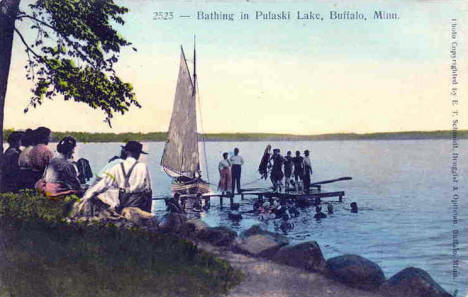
x=402, y=187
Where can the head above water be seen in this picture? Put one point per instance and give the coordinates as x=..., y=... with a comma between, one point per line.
x=354, y=207
x=318, y=209
x=236, y=151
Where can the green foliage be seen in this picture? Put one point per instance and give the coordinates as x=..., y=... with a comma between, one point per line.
x=44, y=256
x=74, y=54
x=30, y=205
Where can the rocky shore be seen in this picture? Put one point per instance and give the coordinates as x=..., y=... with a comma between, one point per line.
x=273, y=267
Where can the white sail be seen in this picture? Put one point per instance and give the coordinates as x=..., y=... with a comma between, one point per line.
x=181, y=154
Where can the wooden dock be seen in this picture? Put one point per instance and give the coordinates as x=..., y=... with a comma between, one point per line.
x=315, y=196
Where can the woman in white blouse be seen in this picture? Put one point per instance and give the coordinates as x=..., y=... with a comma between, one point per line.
x=225, y=179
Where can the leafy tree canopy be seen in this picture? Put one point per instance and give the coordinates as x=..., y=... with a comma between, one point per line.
x=74, y=52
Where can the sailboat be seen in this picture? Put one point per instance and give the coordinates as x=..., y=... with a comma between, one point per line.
x=181, y=157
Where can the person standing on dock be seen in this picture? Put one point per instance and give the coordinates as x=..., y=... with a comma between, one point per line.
x=277, y=175
x=307, y=171
x=263, y=167
x=225, y=178
x=236, y=162
x=298, y=169
x=288, y=163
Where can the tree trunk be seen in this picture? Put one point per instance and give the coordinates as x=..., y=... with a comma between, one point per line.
x=8, y=13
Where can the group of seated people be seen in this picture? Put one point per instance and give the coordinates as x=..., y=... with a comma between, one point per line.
x=21, y=169
x=123, y=182
x=37, y=167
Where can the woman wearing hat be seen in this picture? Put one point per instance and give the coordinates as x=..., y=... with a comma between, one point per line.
x=60, y=176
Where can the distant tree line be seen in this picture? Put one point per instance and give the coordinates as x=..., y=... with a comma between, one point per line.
x=162, y=136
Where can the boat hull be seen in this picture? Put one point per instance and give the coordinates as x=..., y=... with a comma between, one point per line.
x=191, y=187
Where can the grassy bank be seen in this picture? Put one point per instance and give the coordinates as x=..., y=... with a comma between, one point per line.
x=41, y=255
x=162, y=136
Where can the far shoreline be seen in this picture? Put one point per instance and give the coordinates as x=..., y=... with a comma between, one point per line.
x=242, y=137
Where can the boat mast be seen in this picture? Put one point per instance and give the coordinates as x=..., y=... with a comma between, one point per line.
x=194, y=67
x=194, y=92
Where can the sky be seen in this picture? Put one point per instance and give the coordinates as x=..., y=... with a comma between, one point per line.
x=277, y=76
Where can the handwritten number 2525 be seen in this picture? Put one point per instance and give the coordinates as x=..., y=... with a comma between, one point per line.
x=163, y=15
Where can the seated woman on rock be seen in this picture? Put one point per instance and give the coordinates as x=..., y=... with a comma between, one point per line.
x=60, y=177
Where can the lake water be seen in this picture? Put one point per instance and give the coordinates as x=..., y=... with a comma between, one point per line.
x=402, y=187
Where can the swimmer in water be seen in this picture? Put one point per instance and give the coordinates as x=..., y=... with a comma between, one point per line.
x=319, y=214
x=354, y=207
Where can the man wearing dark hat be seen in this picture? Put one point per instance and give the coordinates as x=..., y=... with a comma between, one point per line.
x=130, y=177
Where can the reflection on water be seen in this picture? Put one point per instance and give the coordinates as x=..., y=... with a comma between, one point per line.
x=402, y=188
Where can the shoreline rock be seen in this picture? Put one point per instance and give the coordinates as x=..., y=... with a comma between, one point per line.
x=413, y=282
x=356, y=271
x=173, y=223
x=260, y=243
x=218, y=236
x=306, y=255
x=141, y=218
